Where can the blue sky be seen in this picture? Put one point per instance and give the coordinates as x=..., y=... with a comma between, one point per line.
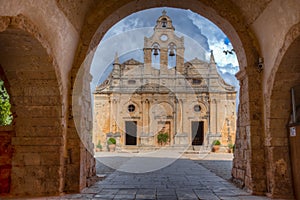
x=126, y=38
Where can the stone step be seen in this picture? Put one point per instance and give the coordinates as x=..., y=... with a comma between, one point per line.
x=186, y=150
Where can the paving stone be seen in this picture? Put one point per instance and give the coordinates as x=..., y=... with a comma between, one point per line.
x=125, y=196
x=166, y=198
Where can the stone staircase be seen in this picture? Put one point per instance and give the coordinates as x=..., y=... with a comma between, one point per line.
x=186, y=150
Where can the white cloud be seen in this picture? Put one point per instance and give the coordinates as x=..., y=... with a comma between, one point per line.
x=216, y=39
x=200, y=34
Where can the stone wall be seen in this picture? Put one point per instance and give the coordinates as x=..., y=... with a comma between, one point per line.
x=249, y=163
x=6, y=151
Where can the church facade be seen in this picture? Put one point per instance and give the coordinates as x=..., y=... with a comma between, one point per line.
x=188, y=102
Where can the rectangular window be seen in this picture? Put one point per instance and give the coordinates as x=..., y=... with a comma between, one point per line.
x=196, y=81
x=131, y=82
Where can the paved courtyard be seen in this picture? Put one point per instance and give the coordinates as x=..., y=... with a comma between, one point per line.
x=186, y=178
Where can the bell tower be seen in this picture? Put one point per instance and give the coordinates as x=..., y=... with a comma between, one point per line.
x=164, y=45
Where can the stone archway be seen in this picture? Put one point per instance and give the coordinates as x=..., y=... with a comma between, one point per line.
x=228, y=17
x=37, y=159
x=285, y=75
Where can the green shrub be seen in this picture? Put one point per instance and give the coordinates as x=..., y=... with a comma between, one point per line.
x=230, y=146
x=111, y=141
x=99, y=145
x=216, y=142
x=5, y=114
x=162, y=138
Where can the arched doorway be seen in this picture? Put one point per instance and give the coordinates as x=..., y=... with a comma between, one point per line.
x=286, y=74
x=36, y=133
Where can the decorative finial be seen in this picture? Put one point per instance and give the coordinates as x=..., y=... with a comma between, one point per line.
x=212, y=57
x=164, y=12
x=116, y=58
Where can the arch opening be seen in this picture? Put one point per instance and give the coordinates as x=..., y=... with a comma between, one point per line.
x=169, y=45
x=233, y=28
x=279, y=147
x=36, y=131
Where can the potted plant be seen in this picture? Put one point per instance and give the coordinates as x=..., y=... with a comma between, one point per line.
x=111, y=142
x=230, y=148
x=216, y=145
x=162, y=138
x=98, y=146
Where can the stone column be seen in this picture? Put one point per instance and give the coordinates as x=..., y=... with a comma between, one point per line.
x=147, y=60
x=110, y=114
x=163, y=61
x=180, y=60
x=249, y=157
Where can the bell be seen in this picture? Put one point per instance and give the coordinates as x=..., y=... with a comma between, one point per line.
x=155, y=53
x=172, y=52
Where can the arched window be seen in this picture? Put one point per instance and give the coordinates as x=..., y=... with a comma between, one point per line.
x=172, y=55
x=164, y=23
x=156, y=55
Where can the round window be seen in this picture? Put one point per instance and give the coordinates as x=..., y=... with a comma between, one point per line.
x=131, y=108
x=197, y=108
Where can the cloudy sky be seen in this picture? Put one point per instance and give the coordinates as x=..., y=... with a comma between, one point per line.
x=127, y=39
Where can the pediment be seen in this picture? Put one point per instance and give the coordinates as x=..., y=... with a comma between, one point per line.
x=132, y=62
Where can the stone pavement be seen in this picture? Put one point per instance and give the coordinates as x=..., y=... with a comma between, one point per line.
x=218, y=163
x=183, y=179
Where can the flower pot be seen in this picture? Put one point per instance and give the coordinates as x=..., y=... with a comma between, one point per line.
x=98, y=149
x=112, y=147
x=216, y=148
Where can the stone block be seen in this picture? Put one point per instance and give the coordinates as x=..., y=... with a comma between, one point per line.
x=73, y=142
x=41, y=100
x=32, y=158
x=42, y=122
x=234, y=172
x=240, y=174
x=5, y=173
x=37, y=141
x=27, y=130
x=248, y=183
x=41, y=91
x=50, y=158
x=33, y=149
x=39, y=111
x=44, y=180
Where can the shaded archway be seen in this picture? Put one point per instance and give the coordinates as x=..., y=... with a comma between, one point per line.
x=285, y=75
x=230, y=20
x=37, y=159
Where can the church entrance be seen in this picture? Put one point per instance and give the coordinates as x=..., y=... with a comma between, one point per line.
x=130, y=127
x=197, y=133
x=165, y=127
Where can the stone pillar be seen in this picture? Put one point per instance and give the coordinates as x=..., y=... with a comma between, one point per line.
x=147, y=60
x=163, y=61
x=249, y=157
x=180, y=60
x=110, y=114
